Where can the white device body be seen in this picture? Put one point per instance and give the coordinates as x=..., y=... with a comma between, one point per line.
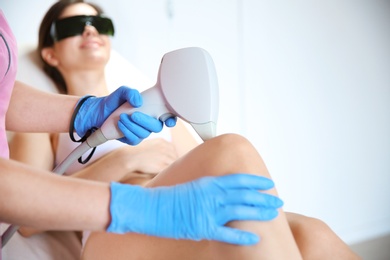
x=187, y=87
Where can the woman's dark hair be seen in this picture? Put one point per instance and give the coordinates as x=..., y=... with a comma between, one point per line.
x=45, y=39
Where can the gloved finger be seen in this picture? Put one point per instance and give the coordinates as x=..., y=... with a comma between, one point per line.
x=129, y=137
x=235, y=236
x=251, y=198
x=245, y=181
x=232, y=213
x=147, y=122
x=171, y=122
x=129, y=128
x=126, y=140
x=121, y=95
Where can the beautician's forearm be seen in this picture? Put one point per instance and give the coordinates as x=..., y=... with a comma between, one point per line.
x=35, y=198
x=32, y=110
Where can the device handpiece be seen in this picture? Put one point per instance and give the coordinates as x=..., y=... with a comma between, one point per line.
x=186, y=87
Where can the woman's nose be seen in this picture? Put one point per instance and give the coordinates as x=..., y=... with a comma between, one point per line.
x=90, y=30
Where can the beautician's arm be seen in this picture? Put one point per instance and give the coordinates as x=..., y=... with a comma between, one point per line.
x=35, y=198
x=32, y=110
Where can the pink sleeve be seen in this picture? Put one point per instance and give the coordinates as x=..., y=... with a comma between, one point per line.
x=8, y=68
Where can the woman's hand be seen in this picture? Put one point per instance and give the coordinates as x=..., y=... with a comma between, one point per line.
x=152, y=156
x=127, y=163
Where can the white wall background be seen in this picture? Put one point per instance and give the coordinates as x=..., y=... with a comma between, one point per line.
x=308, y=82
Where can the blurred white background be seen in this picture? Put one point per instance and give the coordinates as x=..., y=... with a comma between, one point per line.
x=308, y=82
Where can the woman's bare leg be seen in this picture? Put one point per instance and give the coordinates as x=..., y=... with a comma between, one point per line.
x=220, y=156
x=317, y=241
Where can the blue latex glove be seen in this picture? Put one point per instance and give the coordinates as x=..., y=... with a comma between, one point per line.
x=195, y=210
x=135, y=127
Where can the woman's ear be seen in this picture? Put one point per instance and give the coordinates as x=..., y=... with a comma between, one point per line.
x=49, y=57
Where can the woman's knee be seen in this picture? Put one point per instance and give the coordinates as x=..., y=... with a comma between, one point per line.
x=232, y=153
x=231, y=145
x=222, y=155
x=231, y=140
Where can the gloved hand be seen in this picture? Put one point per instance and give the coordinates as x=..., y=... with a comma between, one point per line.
x=135, y=127
x=195, y=210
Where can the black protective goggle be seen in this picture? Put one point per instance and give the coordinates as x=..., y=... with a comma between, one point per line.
x=75, y=25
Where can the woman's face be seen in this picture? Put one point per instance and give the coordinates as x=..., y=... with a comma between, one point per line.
x=86, y=51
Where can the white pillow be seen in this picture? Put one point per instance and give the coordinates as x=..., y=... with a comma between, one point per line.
x=119, y=72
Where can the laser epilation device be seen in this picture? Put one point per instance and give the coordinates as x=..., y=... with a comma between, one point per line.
x=187, y=87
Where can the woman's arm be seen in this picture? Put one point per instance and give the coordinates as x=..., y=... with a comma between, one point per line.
x=32, y=110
